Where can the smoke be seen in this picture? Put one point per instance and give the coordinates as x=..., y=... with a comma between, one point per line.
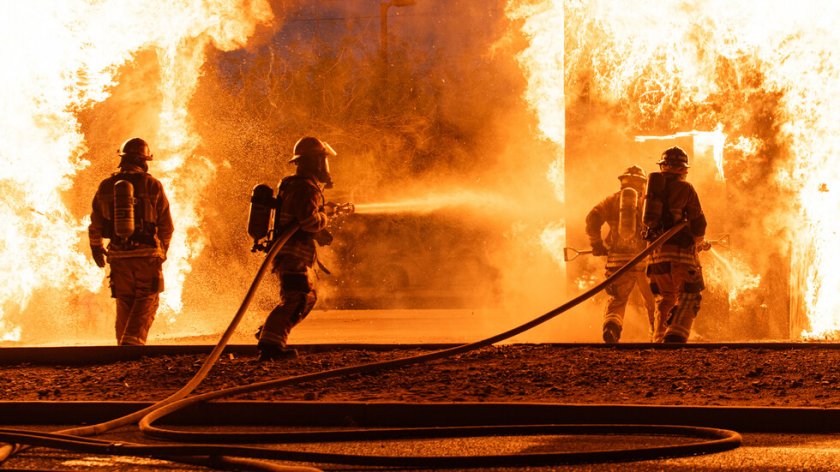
x=450, y=186
x=676, y=66
x=439, y=151
x=82, y=49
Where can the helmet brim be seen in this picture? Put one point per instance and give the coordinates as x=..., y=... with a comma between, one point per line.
x=673, y=163
x=328, y=151
x=134, y=154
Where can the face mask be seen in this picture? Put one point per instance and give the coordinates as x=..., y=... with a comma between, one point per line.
x=324, y=173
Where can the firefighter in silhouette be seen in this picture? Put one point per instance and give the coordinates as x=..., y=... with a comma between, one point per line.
x=674, y=271
x=300, y=201
x=622, y=212
x=131, y=210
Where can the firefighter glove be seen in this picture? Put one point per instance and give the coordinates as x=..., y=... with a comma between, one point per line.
x=330, y=208
x=98, y=255
x=598, y=249
x=323, y=238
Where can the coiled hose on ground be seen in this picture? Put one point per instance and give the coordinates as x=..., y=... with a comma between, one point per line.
x=193, y=446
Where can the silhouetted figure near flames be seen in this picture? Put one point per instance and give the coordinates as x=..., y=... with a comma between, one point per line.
x=300, y=201
x=131, y=210
x=676, y=277
x=622, y=211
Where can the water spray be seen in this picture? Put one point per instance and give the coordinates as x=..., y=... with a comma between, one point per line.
x=723, y=261
x=436, y=201
x=339, y=209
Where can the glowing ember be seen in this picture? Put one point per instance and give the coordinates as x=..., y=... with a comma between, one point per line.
x=586, y=282
x=65, y=59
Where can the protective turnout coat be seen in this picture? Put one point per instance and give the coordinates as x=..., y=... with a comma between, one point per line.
x=301, y=202
x=675, y=273
x=154, y=229
x=136, y=276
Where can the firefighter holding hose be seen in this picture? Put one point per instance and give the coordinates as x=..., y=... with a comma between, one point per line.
x=300, y=201
x=622, y=212
x=131, y=210
x=674, y=271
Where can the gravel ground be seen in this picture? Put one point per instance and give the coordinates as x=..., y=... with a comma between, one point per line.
x=508, y=373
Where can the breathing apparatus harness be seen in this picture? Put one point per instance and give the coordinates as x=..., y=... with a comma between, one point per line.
x=657, y=216
x=262, y=216
x=130, y=227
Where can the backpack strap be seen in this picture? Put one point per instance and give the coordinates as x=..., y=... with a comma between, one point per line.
x=144, y=224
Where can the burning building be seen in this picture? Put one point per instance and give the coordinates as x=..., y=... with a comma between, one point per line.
x=519, y=113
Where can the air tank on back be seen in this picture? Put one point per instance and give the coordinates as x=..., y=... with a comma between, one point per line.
x=652, y=212
x=260, y=213
x=123, y=209
x=627, y=213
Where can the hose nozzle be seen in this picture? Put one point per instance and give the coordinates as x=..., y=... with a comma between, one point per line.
x=339, y=209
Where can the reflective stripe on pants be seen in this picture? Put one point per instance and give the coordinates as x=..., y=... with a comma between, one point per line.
x=677, y=291
x=135, y=284
x=297, y=297
x=619, y=292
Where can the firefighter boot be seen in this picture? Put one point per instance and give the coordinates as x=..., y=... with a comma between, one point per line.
x=271, y=352
x=612, y=333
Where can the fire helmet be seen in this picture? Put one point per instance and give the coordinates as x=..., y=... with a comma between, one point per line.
x=136, y=147
x=675, y=157
x=311, y=146
x=633, y=174
x=311, y=155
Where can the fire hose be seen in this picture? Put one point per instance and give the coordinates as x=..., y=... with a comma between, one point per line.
x=7, y=449
x=221, y=453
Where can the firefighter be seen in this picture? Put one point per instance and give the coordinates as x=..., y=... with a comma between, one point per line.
x=622, y=211
x=300, y=201
x=131, y=210
x=674, y=271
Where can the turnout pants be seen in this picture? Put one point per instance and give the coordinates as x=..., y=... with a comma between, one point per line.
x=677, y=288
x=619, y=293
x=135, y=284
x=297, y=298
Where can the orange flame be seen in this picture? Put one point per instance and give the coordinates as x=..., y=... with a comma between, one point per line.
x=714, y=139
x=664, y=62
x=65, y=59
x=553, y=239
x=542, y=62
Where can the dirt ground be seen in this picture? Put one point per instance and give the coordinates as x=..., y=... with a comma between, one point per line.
x=508, y=373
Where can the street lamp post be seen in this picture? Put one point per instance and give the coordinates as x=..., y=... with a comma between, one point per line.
x=385, y=91
x=383, y=24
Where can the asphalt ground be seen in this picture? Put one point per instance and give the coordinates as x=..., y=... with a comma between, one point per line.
x=816, y=450
x=758, y=452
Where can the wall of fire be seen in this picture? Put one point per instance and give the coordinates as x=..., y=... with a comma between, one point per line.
x=739, y=303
